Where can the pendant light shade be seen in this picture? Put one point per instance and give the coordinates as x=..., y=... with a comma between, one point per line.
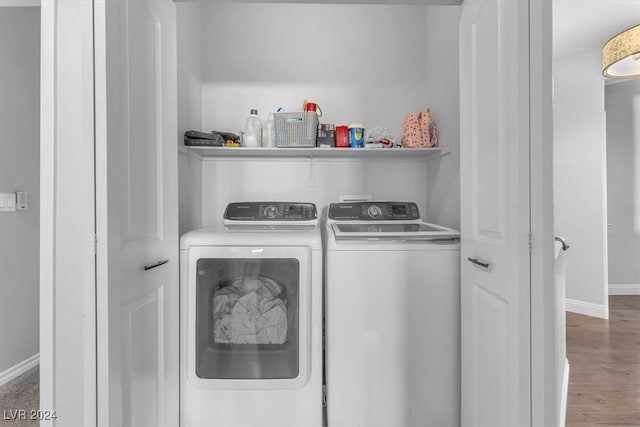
x=621, y=55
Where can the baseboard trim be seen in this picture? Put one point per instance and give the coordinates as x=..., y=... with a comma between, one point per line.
x=19, y=369
x=624, y=289
x=19, y=3
x=565, y=395
x=587, y=308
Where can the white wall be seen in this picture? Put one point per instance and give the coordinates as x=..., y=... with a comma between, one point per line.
x=190, y=54
x=297, y=179
x=19, y=170
x=622, y=101
x=580, y=179
x=369, y=63
x=442, y=80
x=190, y=26
x=336, y=55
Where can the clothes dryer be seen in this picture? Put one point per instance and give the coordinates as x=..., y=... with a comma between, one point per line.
x=392, y=317
x=251, y=318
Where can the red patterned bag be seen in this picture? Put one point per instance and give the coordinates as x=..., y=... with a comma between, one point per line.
x=419, y=132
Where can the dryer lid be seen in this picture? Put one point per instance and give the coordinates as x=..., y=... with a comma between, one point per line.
x=392, y=231
x=272, y=226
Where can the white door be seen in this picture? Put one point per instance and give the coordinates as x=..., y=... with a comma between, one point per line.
x=137, y=227
x=495, y=264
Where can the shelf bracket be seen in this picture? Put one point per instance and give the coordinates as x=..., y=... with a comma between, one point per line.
x=312, y=171
x=445, y=151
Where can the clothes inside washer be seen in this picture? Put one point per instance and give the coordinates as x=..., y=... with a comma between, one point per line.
x=249, y=312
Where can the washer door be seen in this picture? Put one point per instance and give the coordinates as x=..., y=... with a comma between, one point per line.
x=247, y=317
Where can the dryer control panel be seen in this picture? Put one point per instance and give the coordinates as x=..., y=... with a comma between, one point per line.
x=374, y=211
x=270, y=211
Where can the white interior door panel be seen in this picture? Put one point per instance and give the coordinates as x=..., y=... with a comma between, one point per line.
x=137, y=229
x=495, y=259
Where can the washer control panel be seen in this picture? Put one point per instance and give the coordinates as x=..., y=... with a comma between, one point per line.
x=270, y=211
x=374, y=211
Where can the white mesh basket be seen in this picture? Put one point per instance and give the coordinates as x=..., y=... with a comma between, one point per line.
x=298, y=129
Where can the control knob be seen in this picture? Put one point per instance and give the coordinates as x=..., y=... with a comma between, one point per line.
x=374, y=211
x=271, y=212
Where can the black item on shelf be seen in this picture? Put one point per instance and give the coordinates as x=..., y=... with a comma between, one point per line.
x=211, y=139
x=228, y=136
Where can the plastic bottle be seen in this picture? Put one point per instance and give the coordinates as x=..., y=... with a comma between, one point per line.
x=269, y=131
x=252, y=130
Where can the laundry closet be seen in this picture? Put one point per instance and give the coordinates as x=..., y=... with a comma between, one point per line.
x=372, y=64
x=365, y=63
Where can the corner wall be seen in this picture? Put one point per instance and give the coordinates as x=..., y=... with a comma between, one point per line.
x=190, y=24
x=580, y=179
x=622, y=101
x=19, y=171
x=442, y=71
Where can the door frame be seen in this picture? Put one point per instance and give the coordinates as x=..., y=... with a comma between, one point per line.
x=67, y=216
x=546, y=363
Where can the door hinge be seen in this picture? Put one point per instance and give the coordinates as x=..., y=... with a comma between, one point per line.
x=530, y=242
x=94, y=245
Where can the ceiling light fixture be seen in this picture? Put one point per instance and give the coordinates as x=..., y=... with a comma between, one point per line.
x=621, y=55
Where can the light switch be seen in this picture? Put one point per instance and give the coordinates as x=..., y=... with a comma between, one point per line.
x=21, y=200
x=7, y=202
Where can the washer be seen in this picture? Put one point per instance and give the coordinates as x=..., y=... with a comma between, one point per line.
x=251, y=318
x=392, y=317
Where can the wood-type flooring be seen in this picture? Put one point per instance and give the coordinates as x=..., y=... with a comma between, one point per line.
x=604, y=359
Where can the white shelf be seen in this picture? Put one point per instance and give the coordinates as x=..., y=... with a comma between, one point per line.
x=318, y=153
x=391, y=2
